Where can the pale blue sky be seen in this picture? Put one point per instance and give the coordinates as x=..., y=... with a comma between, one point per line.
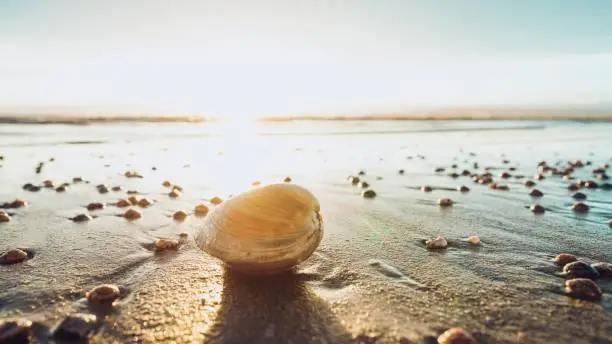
x=249, y=57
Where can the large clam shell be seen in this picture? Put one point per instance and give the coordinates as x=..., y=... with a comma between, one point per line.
x=265, y=230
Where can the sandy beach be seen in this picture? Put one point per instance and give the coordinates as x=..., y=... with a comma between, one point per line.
x=371, y=280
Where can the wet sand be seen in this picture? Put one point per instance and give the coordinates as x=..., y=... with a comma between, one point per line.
x=371, y=280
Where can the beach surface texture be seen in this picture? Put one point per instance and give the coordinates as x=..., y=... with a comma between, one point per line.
x=372, y=279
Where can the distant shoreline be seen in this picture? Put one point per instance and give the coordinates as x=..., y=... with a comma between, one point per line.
x=430, y=116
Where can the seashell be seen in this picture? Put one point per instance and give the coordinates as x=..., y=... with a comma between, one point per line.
x=105, y=293
x=95, y=206
x=604, y=269
x=264, y=230
x=16, y=331
x=132, y=214
x=117, y=188
x=13, y=256
x=583, y=288
x=445, y=202
x=174, y=193
x=165, y=244
x=401, y=171
x=474, y=240
x=77, y=179
x=580, y=270
x=122, y=203
x=463, y=188
x=166, y=183
x=538, y=177
x=132, y=192
x=81, y=218
x=565, y=258
x=364, y=184
x=133, y=200
x=505, y=175
x=132, y=174
x=144, y=202
x=537, y=209
x=17, y=203
x=456, y=335
x=177, y=187
x=453, y=175
x=361, y=173
x=61, y=188
x=579, y=196
x=102, y=189
x=216, y=200
x=48, y=184
x=580, y=207
x=439, y=169
x=536, y=193
x=368, y=194
x=179, y=215
x=437, y=243
x=287, y=180
x=200, y=210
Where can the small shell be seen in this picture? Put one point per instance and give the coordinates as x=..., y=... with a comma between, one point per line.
x=177, y=187
x=61, y=188
x=77, y=179
x=426, y=188
x=445, y=202
x=105, y=293
x=580, y=270
x=604, y=269
x=81, y=218
x=13, y=256
x=474, y=240
x=456, y=336
x=580, y=208
x=174, y=193
x=368, y=194
x=144, y=202
x=256, y=183
x=95, y=206
x=437, y=243
x=463, y=188
x=583, y=288
x=18, y=203
x=536, y=193
x=132, y=174
x=4, y=217
x=179, y=215
x=133, y=200
x=122, y=203
x=216, y=200
x=166, y=183
x=165, y=244
x=132, y=214
x=287, y=180
x=103, y=189
x=264, y=230
x=537, y=209
x=354, y=180
x=48, y=184
x=200, y=210
x=564, y=259
x=529, y=183
x=364, y=185
x=579, y=196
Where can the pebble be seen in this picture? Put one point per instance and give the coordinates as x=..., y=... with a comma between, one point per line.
x=166, y=183
x=164, y=244
x=216, y=200
x=174, y=193
x=463, y=188
x=144, y=202
x=565, y=258
x=132, y=174
x=48, y=184
x=445, y=202
x=537, y=209
x=610, y=223
x=354, y=180
x=536, y=193
x=361, y=173
x=368, y=194
x=105, y=293
x=364, y=185
x=437, y=243
x=95, y=206
x=103, y=189
x=74, y=327
x=77, y=180
x=16, y=331
x=200, y=210
x=81, y=218
x=122, y=203
x=604, y=269
x=132, y=214
x=13, y=256
x=426, y=188
x=456, y=335
x=573, y=187
x=583, y=288
x=133, y=200
x=132, y=192
x=529, y=183
x=117, y=188
x=474, y=240
x=439, y=169
x=179, y=215
x=256, y=183
x=4, y=217
x=580, y=208
x=401, y=171
x=580, y=270
x=579, y=196
x=61, y=188
x=287, y=180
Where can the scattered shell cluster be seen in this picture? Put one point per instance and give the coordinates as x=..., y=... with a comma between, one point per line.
x=581, y=276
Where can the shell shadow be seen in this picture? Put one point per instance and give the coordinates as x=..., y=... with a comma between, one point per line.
x=273, y=309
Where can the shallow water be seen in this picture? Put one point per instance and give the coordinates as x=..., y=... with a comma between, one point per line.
x=367, y=244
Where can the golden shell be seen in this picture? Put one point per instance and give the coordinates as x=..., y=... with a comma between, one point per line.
x=264, y=230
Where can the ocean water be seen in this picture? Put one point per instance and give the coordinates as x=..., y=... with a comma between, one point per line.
x=221, y=159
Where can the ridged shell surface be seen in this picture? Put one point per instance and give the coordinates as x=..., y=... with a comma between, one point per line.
x=265, y=230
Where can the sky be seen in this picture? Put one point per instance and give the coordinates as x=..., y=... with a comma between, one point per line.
x=246, y=58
